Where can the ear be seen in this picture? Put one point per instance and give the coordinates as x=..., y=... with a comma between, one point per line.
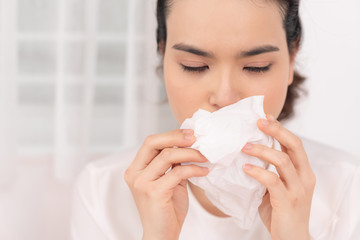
x=292, y=66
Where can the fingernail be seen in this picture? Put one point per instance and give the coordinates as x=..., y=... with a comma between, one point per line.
x=185, y=131
x=188, y=134
x=248, y=146
x=205, y=169
x=247, y=166
x=264, y=122
x=270, y=117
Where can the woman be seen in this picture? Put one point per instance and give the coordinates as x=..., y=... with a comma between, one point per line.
x=214, y=54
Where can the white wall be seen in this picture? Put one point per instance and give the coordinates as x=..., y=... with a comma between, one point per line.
x=330, y=59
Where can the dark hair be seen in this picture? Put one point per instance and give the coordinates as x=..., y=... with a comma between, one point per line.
x=293, y=28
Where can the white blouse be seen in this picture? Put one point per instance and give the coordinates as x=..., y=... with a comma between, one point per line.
x=103, y=206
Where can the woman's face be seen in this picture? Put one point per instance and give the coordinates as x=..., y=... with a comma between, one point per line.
x=219, y=52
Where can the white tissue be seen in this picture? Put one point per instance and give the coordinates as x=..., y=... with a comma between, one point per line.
x=220, y=137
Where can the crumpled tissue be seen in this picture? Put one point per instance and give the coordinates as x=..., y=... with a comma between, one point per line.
x=220, y=136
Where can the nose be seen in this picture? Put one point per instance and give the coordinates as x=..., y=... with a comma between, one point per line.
x=225, y=92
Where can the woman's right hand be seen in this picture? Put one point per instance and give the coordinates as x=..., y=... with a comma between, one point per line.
x=162, y=199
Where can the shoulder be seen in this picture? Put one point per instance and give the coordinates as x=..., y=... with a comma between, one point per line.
x=102, y=172
x=337, y=189
x=328, y=161
x=320, y=153
x=116, y=161
x=103, y=197
x=332, y=166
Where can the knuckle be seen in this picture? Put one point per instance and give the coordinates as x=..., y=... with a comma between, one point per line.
x=298, y=143
x=127, y=174
x=149, y=139
x=166, y=154
x=151, y=192
x=283, y=160
x=177, y=171
x=276, y=126
x=138, y=185
x=274, y=180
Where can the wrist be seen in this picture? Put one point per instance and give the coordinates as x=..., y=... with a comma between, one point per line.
x=305, y=236
x=155, y=237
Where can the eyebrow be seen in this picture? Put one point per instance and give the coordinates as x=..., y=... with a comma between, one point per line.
x=249, y=53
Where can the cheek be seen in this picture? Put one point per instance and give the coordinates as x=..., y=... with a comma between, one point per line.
x=182, y=94
x=276, y=92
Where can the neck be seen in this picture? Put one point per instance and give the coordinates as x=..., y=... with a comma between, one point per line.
x=204, y=201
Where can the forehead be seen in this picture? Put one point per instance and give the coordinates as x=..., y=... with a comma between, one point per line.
x=225, y=23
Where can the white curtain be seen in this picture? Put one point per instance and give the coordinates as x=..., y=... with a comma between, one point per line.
x=8, y=93
x=77, y=78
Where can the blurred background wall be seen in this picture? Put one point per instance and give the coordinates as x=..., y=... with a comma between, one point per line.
x=78, y=82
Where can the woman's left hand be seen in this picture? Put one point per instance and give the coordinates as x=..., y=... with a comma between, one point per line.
x=285, y=209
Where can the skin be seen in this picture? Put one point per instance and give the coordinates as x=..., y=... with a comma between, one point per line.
x=223, y=28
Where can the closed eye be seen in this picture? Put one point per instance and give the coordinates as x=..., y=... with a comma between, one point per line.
x=203, y=68
x=194, y=69
x=258, y=69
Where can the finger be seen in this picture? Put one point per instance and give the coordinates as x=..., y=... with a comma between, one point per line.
x=153, y=145
x=171, y=157
x=279, y=159
x=179, y=173
x=269, y=179
x=293, y=144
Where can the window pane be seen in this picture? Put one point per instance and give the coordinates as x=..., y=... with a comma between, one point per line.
x=111, y=58
x=109, y=94
x=37, y=15
x=113, y=15
x=37, y=57
x=32, y=93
